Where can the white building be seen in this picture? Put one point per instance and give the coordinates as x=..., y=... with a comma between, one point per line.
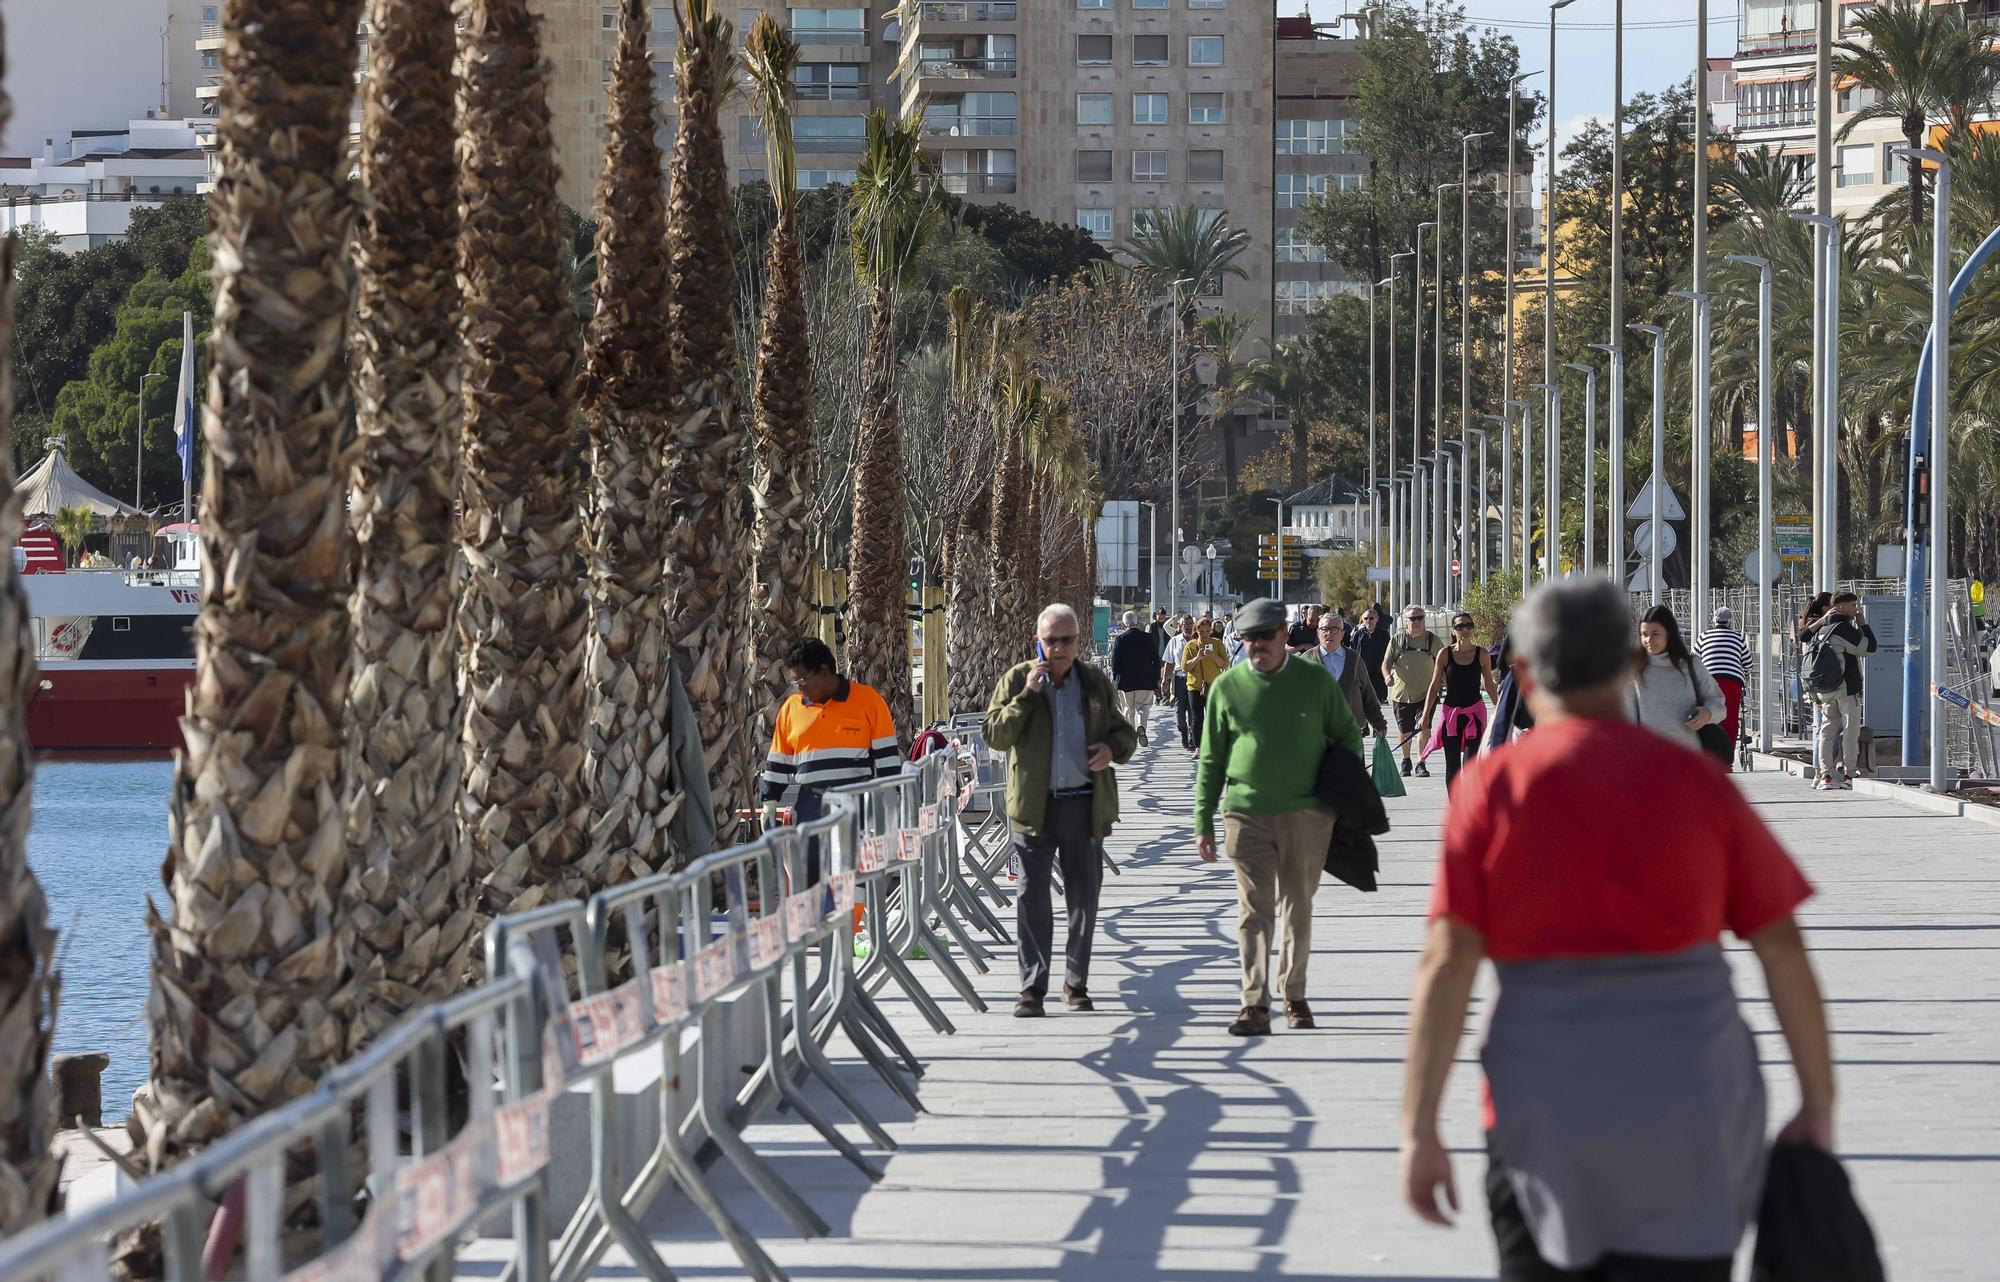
x=1331, y=516
x=84, y=184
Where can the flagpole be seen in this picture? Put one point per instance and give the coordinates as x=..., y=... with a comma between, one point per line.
x=184, y=423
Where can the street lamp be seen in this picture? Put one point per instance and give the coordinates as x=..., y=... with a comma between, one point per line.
x=1699, y=503
x=1395, y=493
x=1767, y=570
x=1698, y=458
x=1658, y=482
x=1551, y=480
x=1374, y=544
x=1465, y=289
x=1462, y=472
x=1589, y=373
x=1507, y=331
x=1826, y=374
x=1614, y=464
x=1479, y=507
x=1174, y=320
x=1551, y=394
x=139, y=459
x=1152, y=550
x=1417, y=378
x=1278, y=541
x=1527, y=499
x=1438, y=504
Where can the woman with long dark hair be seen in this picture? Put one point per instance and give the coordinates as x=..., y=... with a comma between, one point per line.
x=1675, y=696
x=1462, y=669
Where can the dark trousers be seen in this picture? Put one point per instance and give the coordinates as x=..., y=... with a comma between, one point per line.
x=1521, y=1260
x=1065, y=836
x=1181, y=710
x=1197, y=710
x=1454, y=756
x=809, y=805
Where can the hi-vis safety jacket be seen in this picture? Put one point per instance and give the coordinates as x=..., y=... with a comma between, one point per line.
x=847, y=739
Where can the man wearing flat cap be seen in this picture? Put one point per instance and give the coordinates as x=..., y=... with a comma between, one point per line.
x=1269, y=721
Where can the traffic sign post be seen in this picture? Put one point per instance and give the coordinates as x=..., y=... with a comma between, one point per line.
x=1792, y=537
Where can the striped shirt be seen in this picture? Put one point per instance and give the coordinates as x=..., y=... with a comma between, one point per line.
x=1724, y=652
x=847, y=739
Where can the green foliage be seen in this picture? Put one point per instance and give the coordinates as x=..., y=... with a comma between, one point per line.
x=1240, y=518
x=64, y=306
x=72, y=524
x=1035, y=252
x=1342, y=580
x=1491, y=602
x=163, y=238
x=1183, y=243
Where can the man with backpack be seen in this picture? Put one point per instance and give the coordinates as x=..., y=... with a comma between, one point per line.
x=1831, y=673
x=1407, y=667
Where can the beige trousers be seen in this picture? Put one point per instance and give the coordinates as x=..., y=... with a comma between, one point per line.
x=1278, y=861
x=1839, y=732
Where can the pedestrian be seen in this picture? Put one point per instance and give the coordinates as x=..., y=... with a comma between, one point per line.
x=1332, y=652
x=1371, y=642
x=1840, y=631
x=1058, y=721
x=1174, y=678
x=1234, y=638
x=1270, y=719
x=1202, y=661
x=1304, y=633
x=1158, y=627
x=829, y=732
x=1407, y=665
x=1675, y=695
x=1726, y=655
x=1598, y=868
x=1463, y=668
x=1135, y=670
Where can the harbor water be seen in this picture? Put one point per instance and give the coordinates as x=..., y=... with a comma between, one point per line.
x=97, y=842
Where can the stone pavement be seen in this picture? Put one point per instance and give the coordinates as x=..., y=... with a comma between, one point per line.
x=1141, y=1142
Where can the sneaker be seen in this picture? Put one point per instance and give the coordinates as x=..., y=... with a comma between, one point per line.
x=1845, y=782
x=1142, y=736
x=1298, y=1014
x=1822, y=784
x=1076, y=998
x=1029, y=1006
x=1251, y=1021
x=1423, y=771
x=1406, y=767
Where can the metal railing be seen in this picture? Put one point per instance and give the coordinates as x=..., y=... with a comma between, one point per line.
x=971, y=126
x=968, y=68
x=1772, y=117
x=969, y=11
x=830, y=35
x=1776, y=42
x=978, y=184
x=823, y=91
x=680, y=966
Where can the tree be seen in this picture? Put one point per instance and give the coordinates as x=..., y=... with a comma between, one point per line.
x=894, y=219
x=1183, y=243
x=521, y=616
x=30, y=1167
x=250, y=995
x=64, y=306
x=781, y=544
x=162, y=238
x=706, y=583
x=1923, y=61
x=1037, y=253
x=408, y=892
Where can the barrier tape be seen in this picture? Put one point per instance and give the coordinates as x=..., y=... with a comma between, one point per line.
x=358, y=1259
x=670, y=991
x=604, y=1024
x=909, y=846
x=871, y=855
x=927, y=820
x=1965, y=703
x=805, y=911
x=843, y=894
x=715, y=967
x=767, y=941
x=438, y=1195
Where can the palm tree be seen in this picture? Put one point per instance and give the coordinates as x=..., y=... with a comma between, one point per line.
x=250, y=992
x=1923, y=61
x=627, y=388
x=29, y=1164
x=969, y=603
x=1221, y=336
x=780, y=591
x=407, y=891
x=521, y=617
x=1277, y=381
x=893, y=219
x=707, y=591
x=1186, y=243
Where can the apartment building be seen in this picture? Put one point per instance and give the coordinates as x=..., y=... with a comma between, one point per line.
x=85, y=183
x=1312, y=151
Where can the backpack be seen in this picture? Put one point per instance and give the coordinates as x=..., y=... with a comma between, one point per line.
x=1825, y=668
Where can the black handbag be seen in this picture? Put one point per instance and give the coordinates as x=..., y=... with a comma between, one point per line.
x=1713, y=738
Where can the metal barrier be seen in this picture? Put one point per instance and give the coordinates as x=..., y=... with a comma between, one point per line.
x=666, y=965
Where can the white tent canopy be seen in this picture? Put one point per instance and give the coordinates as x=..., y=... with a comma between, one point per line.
x=54, y=485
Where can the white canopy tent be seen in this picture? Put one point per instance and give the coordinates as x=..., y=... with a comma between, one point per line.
x=54, y=485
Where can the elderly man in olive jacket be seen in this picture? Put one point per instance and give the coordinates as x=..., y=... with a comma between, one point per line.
x=1058, y=720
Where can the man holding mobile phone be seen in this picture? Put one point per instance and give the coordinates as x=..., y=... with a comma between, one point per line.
x=1058, y=722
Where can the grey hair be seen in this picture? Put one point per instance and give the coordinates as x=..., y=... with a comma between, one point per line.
x=1574, y=634
x=1131, y=618
x=1057, y=611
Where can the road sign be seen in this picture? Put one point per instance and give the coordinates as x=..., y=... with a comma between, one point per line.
x=1190, y=555
x=1642, y=540
x=1454, y=567
x=1750, y=566
x=1642, y=507
x=1378, y=574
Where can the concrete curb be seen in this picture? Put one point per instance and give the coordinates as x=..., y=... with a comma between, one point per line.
x=1913, y=797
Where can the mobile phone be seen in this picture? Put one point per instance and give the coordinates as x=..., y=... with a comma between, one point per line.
x=1038, y=651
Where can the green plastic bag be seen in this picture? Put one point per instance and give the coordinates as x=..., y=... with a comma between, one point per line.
x=1388, y=780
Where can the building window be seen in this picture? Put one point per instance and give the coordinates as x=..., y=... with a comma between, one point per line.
x=1857, y=165
x=1855, y=97
x=607, y=71
x=1317, y=137
x=828, y=133
x=1293, y=247
x=1149, y=166
x=1206, y=4
x=1204, y=166
x=1207, y=218
x=1149, y=4
x=1093, y=109
x=1204, y=108
x=211, y=60
x=211, y=13
x=1204, y=51
x=1149, y=109
x=1093, y=51
x=1295, y=189
x=822, y=81
x=1093, y=166
x=814, y=179
x=1093, y=4
x=830, y=26
x=663, y=27
x=610, y=19
x=1774, y=104
x=1095, y=221
x=1149, y=51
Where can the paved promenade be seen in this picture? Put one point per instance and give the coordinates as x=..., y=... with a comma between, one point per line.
x=1142, y=1142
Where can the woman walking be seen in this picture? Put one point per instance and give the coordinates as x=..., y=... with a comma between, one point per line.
x=1462, y=669
x=1675, y=697
x=1625, y=1109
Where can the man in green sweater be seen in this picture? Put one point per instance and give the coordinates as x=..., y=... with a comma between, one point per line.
x=1269, y=720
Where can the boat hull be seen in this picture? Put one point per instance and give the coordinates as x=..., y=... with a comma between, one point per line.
x=112, y=707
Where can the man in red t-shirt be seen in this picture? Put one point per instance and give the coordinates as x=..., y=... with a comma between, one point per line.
x=1597, y=865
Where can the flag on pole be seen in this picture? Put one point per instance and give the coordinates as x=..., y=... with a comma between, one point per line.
x=184, y=414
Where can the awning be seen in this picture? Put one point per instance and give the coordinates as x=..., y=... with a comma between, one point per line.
x=1777, y=77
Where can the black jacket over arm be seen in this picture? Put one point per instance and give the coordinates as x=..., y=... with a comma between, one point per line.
x=1358, y=817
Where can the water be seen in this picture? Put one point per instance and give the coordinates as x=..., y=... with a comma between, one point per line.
x=99, y=835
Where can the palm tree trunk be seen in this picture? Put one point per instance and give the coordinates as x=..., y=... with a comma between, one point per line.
x=250, y=995
x=878, y=630
x=707, y=592
x=29, y=1163
x=780, y=594
x=1005, y=530
x=970, y=603
x=1913, y=135
x=627, y=387
x=408, y=893
x=521, y=617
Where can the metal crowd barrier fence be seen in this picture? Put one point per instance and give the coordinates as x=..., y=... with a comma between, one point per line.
x=665, y=966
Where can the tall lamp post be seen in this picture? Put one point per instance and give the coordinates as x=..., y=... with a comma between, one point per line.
x=1826, y=415
x=1767, y=569
x=1152, y=551
x=1465, y=284
x=1527, y=501
x=1507, y=340
x=1174, y=320
x=1395, y=492
x=139, y=459
x=1699, y=502
x=1439, y=507
x=1417, y=386
x=1552, y=481
x=1551, y=394
x=1278, y=539
x=1476, y=514
x=1697, y=458
x=1614, y=464
x=1656, y=532
x=1589, y=373
x=1374, y=544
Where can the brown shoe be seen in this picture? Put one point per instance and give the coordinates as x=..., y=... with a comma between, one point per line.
x=1076, y=998
x=1298, y=1014
x=1252, y=1021
x=1029, y=1006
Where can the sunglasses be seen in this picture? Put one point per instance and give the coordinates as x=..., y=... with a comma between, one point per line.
x=1261, y=634
x=1462, y=627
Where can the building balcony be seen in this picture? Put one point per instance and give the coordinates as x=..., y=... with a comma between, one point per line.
x=854, y=36
x=968, y=11
x=968, y=68
x=1774, y=117
x=1775, y=44
x=831, y=93
x=209, y=89
x=980, y=184
x=971, y=127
